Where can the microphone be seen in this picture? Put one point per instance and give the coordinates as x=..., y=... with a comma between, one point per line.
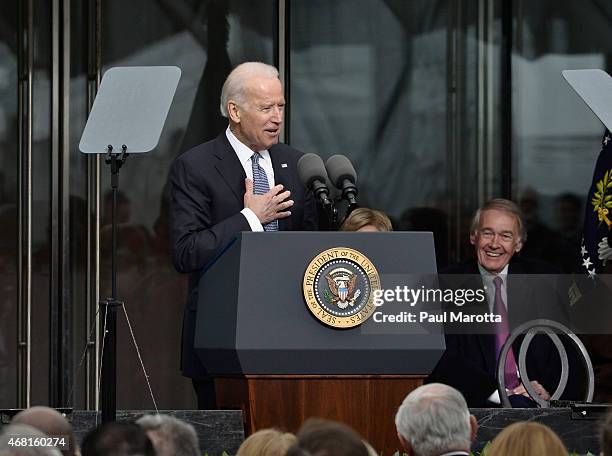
x=344, y=177
x=311, y=171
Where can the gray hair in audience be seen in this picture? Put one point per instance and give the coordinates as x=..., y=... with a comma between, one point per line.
x=434, y=419
x=233, y=88
x=180, y=437
x=18, y=431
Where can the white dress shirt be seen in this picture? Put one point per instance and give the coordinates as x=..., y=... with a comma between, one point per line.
x=487, y=280
x=244, y=156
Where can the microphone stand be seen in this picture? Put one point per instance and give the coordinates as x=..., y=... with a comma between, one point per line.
x=332, y=213
x=349, y=193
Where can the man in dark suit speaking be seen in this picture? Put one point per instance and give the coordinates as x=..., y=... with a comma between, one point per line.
x=244, y=180
x=470, y=360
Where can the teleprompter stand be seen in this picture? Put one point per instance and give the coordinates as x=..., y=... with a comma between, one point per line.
x=108, y=306
x=130, y=110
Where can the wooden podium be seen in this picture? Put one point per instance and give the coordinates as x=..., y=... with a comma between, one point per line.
x=367, y=403
x=278, y=363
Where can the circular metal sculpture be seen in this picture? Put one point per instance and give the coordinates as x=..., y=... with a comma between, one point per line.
x=550, y=328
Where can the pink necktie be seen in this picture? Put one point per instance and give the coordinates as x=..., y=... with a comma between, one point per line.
x=501, y=334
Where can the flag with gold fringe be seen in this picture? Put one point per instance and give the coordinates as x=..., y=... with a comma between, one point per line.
x=595, y=249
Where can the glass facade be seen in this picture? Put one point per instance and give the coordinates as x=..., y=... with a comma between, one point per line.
x=369, y=81
x=556, y=137
x=9, y=184
x=398, y=87
x=205, y=42
x=413, y=92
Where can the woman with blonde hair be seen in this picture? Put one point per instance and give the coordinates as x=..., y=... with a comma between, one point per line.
x=527, y=439
x=366, y=219
x=267, y=442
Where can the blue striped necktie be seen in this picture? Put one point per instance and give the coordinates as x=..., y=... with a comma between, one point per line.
x=261, y=186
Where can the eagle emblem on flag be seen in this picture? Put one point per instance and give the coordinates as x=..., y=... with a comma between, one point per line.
x=595, y=249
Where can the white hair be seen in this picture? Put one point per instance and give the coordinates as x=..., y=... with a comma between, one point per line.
x=434, y=419
x=181, y=436
x=233, y=88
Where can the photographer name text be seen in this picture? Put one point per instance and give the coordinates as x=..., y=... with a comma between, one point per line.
x=435, y=317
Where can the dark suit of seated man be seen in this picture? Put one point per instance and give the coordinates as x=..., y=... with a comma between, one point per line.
x=470, y=360
x=244, y=180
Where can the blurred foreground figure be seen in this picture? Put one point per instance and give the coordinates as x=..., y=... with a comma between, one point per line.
x=118, y=439
x=9, y=433
x=170, y=436
x=319, y=437
x=527, y=439
x=267, y=442
x=50, y=422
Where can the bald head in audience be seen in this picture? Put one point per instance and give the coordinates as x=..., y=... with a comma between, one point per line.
x=50, y=422
x=9, y=433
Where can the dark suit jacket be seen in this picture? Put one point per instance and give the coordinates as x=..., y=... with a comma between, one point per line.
x=207, y=191
x=469, y=362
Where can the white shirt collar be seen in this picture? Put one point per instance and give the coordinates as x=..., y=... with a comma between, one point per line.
x=243, y=152
x=490, y=276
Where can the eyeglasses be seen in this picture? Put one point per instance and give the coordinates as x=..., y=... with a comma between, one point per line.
x=489, y=235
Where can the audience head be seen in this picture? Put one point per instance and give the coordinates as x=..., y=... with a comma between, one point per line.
x=319, y=437
x=170, y=436
x=252, y=99
x=497, y=233
x=434, y=419
x=527, y=439
x=370, y=449
x=16, y=431
x=605, y=437
x=366, y=219
x=50, y=422
x=117, y=439
x=267, y=442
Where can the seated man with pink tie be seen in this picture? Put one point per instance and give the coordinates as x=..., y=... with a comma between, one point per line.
x=470, y=360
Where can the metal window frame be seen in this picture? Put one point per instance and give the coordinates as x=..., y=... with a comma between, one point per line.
x=94, y=68
x=454, y=119
x=282, y=56
x=24, y=171
x=60, y=305
x=486, y=97
x=507, y=19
